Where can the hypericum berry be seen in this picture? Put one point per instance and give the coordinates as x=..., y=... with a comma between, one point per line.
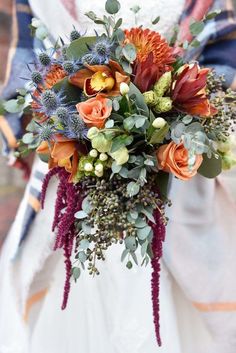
x=99, y=168
x=88, y=167
x=103, y=157
x=62, y=113
x=36, y=77
x=69, y=67
x=49, y=99
x=44, y=59
x=74, y=35
x=46, y=133
x=93, y=153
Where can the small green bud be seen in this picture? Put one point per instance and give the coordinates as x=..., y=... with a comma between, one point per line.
x=149, y=97
x=101, y=144
x=163, y=104
x=163, y=84
x=93, y=131
x=159, y=123
x=121, y=156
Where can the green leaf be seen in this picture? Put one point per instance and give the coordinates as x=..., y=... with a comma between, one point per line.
x=118, y=24
x=212, y=15
x=139, y=99
x=157, y=19
x=109, y=124
x=143, y=233
x=84, y=244
x=140, y=223
x=70, y=92
x=162, y=181
x=129, y=52
x=140, y=121
x=80, y=215
x=112, y=6
x=28, y=138
x=82, y=256
x=149, y=215
x=159, y=135
x=12, y=106
x=144, y=248
x=2, y=109
x=76, y=273
x=79, y=47
x=124, y=172
x=133, y=214
x=130, y=243
x=134, y=256
x=121, y=141
x=195, y=43
x=129, y=123
x=196, y=28
x=135, y=9
x=133, y=188
x=115, y=167
x=86, y=205
x=210, y=167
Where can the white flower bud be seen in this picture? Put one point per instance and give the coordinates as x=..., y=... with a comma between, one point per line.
x=93, y=153
x=35, y=22
x=159, y=123
x=124, y=88
x=99, y=174
x=103, y=157
x=41, y=33
x=99, y=168
x=88, y=167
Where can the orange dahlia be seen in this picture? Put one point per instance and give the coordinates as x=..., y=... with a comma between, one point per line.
x=154, y=56
x=146, y=42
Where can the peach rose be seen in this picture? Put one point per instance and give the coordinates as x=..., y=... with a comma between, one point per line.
x=173, y=158
x=95, y=111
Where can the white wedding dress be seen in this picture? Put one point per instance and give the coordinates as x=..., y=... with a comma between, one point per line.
x=111, y=313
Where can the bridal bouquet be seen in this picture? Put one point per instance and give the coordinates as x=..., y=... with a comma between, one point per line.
x=114, y=115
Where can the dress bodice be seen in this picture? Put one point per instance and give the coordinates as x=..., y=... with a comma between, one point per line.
x=60, y=15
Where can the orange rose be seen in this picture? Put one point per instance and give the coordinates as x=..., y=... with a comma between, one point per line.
x=95, y=111
x=173, y=158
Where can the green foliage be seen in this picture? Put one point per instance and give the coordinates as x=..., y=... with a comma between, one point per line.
x=112, y=6
x=210, y=167
x=79, y=47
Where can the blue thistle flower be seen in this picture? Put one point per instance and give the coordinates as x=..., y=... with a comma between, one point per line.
x=75, y=127
x=44, y=59
x=74, y=35
x=36, y=77
x=45, y=132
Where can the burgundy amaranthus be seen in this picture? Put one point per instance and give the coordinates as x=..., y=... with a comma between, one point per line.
x=158, y=238
x=68, y=202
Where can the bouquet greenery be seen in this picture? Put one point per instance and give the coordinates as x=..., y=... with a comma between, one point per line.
x=113, y=116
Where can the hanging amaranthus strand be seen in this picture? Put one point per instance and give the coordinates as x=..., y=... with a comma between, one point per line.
x=68, y=202
x=158, y=238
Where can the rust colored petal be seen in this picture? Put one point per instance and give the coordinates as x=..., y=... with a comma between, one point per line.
x=79, y=77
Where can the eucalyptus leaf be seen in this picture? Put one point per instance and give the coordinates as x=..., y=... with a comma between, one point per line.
x=156, y=20
x=139, y=99
x=149, y=215
x=129, y=123
x=28, y=138
x=81, y=215
x=115, y=167
x=144, y=232
x=130, y=243
x=140, y=121
x=124, y=254
x=12, y=106
x=140, y=223
x=124, y=172
x=129, y=52
x=134, y=256
x=82, y=256
x=133, y=188
x=144, y=248
x=76, y=273
x=109, y=124
x=197, y=27
x=86, y=205
x=84, y=244
x=112, y=6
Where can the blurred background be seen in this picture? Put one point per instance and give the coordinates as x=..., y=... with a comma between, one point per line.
x=11, y=182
